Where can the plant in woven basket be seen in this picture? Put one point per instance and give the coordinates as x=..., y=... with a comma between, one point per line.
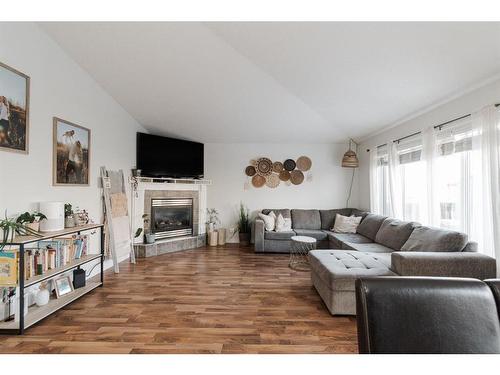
x=244, y=224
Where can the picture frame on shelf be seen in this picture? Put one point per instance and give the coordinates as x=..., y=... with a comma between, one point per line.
x=63, y=286
x=14, y=110
x=71, y=154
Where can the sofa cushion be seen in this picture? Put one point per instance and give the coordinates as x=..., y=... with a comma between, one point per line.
x=435, y=240
x=314, y=233
x=394, y=233
x=328, y=217
x=339, y=269
x=337, y=239
x=368, y=247
x=370, y=225
x=279, y=235
x=356, y=212
x=285, y=212
x=306, y=219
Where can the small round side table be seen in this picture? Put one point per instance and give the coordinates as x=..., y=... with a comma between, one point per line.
x=301, y=245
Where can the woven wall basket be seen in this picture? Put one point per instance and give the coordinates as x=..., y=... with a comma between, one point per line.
x=297, y=177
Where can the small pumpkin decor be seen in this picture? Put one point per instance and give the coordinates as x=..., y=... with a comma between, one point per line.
x=264, y=172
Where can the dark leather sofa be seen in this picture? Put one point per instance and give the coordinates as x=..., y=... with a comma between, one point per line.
x=425, y=315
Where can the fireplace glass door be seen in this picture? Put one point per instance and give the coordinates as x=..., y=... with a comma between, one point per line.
x=172, y=217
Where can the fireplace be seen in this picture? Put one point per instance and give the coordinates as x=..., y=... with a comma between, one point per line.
x=171, y=217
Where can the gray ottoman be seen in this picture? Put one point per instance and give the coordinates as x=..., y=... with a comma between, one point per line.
x=334, y=272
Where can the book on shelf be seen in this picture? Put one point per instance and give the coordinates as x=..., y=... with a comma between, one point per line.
x=52, y=254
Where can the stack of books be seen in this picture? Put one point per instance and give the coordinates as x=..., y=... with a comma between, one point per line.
x=49, y=255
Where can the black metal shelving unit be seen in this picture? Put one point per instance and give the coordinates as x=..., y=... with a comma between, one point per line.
x=39, y=313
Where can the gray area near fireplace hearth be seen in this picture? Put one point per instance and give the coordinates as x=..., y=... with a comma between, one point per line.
x=169, y=246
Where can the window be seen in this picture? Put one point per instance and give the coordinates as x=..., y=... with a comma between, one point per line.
x=411, y=170
x=455, y=176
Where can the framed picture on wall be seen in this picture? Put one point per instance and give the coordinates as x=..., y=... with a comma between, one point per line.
x=71, y=154
x=14, y=110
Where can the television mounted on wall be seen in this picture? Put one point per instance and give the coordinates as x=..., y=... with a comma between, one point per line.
x=169, y=157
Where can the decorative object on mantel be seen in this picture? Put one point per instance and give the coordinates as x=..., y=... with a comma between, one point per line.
x=271, y=174
x=244, y=225
x=14, y=110
x=71, y=154
x=31, y=220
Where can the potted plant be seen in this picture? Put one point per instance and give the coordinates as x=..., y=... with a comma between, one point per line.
x=9, y=228
x=31, y=220
x=244, y=225
x=69, y=218
x=148, y=236
x=213, y=219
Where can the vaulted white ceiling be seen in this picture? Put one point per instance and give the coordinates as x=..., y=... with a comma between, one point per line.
x=279, y=82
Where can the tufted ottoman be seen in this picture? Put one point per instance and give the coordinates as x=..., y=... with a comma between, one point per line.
x=334, y=272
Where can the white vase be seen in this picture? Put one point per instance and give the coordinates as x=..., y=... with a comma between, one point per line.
x=42, y=297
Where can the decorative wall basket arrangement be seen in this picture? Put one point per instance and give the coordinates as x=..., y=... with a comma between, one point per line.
x=264, y=172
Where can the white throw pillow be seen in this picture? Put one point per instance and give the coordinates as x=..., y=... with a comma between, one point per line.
x=269, y=220
x=288, y=224
x=346, y=224
x=280, y=223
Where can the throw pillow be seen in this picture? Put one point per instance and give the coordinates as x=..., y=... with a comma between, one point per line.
x=280, y=223
x=269, y=221
x=346, y=224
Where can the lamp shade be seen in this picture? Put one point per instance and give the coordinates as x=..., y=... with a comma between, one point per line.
x=350, y=159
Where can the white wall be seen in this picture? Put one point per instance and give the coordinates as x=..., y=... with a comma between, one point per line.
x=225, y=165
x=470, y=102
x=59, y=87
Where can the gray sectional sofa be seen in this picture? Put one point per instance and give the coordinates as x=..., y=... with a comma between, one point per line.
x=381, y=246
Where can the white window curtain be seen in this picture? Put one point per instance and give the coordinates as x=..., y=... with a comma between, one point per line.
x=394, y=192
x=485, y=161
x=375, y=203
x=429, y=154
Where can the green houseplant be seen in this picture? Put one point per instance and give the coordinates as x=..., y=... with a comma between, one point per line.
x=31, y=220
x=212, y=219
x=69, y=218
x=148, y=236
x=9, y=227
x=244, y=225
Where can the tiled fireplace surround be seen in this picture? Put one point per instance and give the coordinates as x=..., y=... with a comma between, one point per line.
x=146, y=192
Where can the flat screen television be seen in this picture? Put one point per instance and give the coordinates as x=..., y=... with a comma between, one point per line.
x=169, y=157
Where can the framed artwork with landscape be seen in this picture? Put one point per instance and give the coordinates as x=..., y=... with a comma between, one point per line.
x=71, y=154
x=14, y=109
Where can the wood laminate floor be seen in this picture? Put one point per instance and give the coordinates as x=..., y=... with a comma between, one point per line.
x=208, y=300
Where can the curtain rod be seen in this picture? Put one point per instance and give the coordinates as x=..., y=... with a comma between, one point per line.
x=435, y=127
